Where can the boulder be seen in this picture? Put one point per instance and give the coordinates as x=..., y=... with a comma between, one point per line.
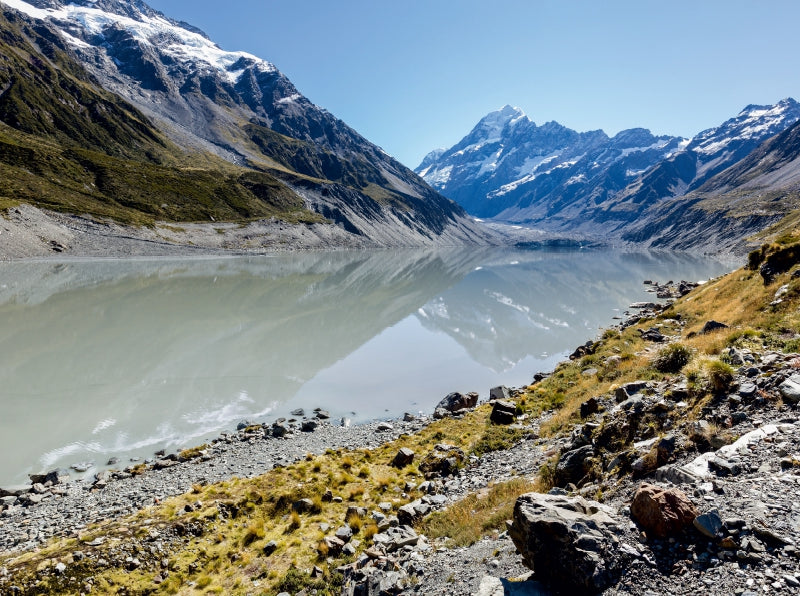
x=572, y=466
x=334, y=545
x=396, y=538
x=303, y=505
x=403, y=458
x=453, y=402
x=444, y=460
x=344, y=533
x=589, y=407
x=571, y=544
x=411, y=513
x=279, y=430
x=53, y=477
x=586, y=349
x=309, y=426
x=500, y=392
x=662, y=512
x=653, y=334
x=270, y=547
x=503, y=412
x=790, y=389
x=712, y=326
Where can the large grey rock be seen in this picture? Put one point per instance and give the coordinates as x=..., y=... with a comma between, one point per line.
x=453, y=402
x=570, y=543
x=573, y=466
x=500, y=392
x=503, y=412
x=712, y=326
x=790, y=389
x=396, y=538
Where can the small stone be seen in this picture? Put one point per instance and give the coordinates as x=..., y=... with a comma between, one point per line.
x=709, y=523
x=270, y=547
x=384, y=426
x=298, y=412
x=403, y=458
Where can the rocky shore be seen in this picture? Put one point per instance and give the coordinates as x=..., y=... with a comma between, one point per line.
x=680, y=482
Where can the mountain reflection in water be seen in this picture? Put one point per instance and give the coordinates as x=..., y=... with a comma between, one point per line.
x=121, y=358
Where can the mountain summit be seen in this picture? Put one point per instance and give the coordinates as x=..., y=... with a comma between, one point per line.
x=508, y=165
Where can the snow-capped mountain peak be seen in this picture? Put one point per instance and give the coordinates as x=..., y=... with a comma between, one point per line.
x=492, y=125
x=506, y=154
x=100, y=19
x=753, y=122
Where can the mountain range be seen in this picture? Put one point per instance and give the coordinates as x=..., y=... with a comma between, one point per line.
x=126, y=113
x=634, y=186
x=112, y=111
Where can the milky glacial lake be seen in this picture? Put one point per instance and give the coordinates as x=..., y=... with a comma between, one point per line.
x=121, y=358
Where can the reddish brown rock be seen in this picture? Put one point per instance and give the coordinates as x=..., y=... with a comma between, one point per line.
x=662, y=512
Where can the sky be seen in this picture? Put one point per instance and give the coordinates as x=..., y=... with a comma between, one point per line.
x=414, y=75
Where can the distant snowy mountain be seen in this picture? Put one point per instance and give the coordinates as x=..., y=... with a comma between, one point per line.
x=509, y=167
x=562, y=181
x=243, y=109
x=711, y=152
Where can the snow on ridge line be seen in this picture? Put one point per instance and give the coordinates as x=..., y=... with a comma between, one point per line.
x=192, y=46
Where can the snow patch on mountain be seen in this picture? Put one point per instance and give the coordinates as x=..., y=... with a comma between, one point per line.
x=183, y=45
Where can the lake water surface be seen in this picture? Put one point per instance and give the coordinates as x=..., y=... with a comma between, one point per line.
x=110, y=358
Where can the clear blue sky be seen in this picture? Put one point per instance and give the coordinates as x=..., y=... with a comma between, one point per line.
x=413, y=75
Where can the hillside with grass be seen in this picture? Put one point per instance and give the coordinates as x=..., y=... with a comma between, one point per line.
x=275, y=531
x=69, y=144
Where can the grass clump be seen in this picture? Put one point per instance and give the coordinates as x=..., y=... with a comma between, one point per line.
x=672, y=358
x=468, y=520
x=496, y=438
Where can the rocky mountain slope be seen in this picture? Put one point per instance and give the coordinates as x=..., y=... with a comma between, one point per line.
x=758, y=193
x=206, y=124
x=566, y=182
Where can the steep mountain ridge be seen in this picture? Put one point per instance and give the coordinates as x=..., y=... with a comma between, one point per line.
x=759, y=193
x=242, y=109
x=712, y=151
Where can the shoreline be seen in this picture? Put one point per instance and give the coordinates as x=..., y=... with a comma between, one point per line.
x=731, y=452
x=31, y=233
x=244, y=452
